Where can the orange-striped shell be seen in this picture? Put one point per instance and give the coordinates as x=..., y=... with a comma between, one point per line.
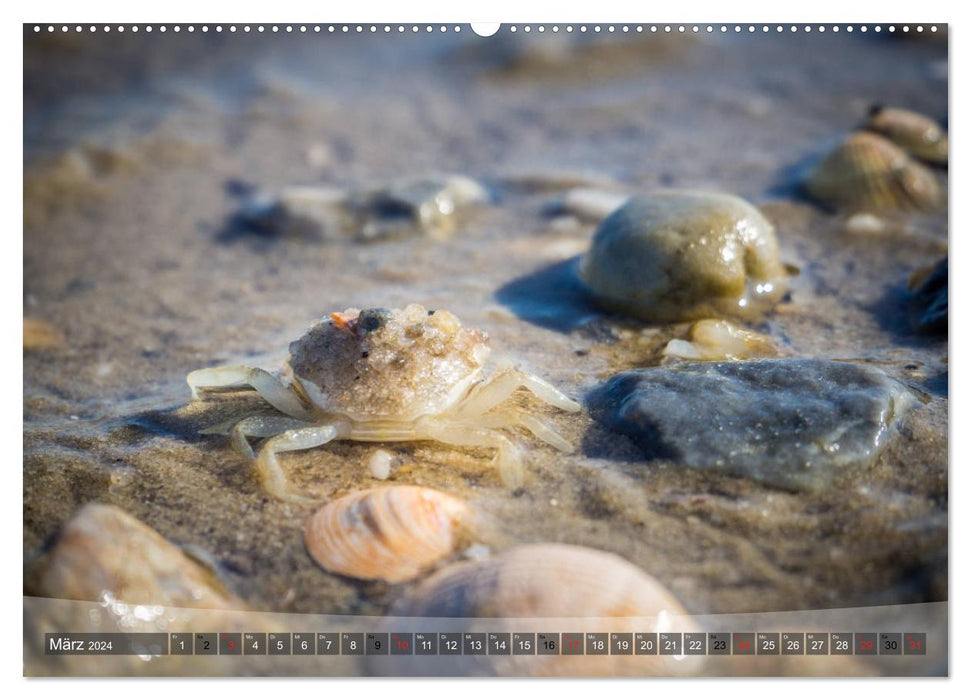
x=917, y=134
x=868, y=173
x=390, y=533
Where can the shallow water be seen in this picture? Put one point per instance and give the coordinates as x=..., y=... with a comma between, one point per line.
x=129, y=250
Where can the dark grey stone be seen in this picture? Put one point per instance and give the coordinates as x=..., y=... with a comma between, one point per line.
x=791, y=423
x=929, y=302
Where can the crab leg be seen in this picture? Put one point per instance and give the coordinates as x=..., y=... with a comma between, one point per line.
x=273, y=391
x=260, y=426
x=268, y=468
x=539, y=428
x=508, y=458
x=500, y=386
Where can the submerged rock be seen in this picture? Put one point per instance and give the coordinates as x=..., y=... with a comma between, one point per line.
x=928, y=304
x=425, y=207
x=791, y=423
x=679, y=255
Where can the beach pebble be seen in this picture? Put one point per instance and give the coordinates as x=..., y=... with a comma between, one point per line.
x=796, y=424
x=678, y=255
x=424, y=207
x=102, y=553
x=297, y=211
x=928, y=302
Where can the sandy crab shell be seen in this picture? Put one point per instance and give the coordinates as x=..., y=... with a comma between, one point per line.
x=917, y=134
x=390, y=533
x=387, y=363
x=869, y=173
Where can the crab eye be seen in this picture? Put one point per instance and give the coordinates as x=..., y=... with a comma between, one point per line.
x=372, y=319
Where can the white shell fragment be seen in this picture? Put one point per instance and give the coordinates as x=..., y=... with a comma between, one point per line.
x=864, y=224
x=388, y=533
x=711, y=340
x=379, y=464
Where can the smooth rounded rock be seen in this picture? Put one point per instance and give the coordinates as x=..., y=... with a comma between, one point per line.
x=679, y=255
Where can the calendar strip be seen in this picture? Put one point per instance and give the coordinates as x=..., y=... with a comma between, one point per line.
x=488, y=643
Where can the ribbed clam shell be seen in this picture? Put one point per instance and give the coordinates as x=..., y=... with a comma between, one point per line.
x=541, y=580
x=388, y=534
x=917, y=134
x=868, y=172
x=543, y=587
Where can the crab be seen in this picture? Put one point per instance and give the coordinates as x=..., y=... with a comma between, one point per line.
x=380, y=375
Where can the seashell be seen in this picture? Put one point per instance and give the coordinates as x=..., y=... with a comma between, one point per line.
x=678, y=255
x=389, y=533
x=712, y=340
x=919, y=135
x=541, y=580
x=103, y=552
x=598, y=590
x=868, y=173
